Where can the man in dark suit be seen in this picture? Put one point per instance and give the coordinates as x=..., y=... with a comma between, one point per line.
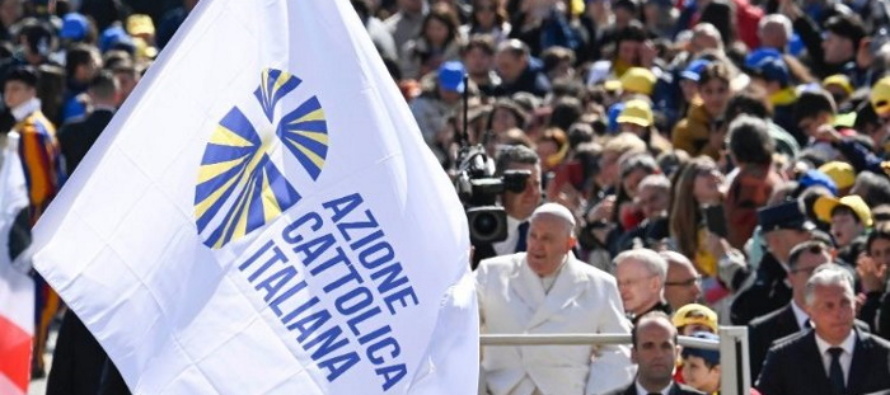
x=834, y=358
x=763, y=331
x=655, y=351
x=77, y=137
x=783, y=226
x=79, y=362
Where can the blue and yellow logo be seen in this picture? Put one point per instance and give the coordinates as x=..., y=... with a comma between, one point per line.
x=240, y=188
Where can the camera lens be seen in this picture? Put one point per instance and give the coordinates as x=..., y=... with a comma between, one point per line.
x=485, y=224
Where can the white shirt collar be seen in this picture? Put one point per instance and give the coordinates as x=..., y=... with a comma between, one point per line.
x=799, y=315
x=642, y=391
x=847, y=345
x=22, y=111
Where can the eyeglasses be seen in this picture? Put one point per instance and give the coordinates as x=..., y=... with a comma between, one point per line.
x=685, y=283
x=633, y=281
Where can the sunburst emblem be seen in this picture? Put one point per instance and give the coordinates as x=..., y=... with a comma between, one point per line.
x=240, y=188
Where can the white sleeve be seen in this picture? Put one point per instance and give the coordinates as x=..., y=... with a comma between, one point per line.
x=611, y=368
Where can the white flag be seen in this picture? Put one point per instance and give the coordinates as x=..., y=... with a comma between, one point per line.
x=16, y=287
x=263, y=217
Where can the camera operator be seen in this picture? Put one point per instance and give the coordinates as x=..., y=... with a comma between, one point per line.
x=518, y=206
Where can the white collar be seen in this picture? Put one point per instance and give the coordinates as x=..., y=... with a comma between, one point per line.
x=800, y=315
x=642, y=391
x=22, y=111
x=513, y=222
x=847, y=345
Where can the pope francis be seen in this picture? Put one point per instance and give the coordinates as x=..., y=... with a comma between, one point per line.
x=548, y=290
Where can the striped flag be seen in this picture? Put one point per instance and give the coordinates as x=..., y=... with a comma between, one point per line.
x=16, y=288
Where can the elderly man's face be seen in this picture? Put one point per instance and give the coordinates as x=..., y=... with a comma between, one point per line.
x=773, y=35
x=639, y=287
x=549, y=241
x=832, y=310
x=653, y=201
x=682, y=286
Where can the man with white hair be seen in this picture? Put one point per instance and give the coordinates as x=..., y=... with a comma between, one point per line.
x=641, y=274
x=548, y=290
x=834, y=358
x=775, y=31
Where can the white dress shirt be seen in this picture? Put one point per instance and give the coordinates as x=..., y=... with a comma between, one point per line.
x=508, y=246
x=800, y=316
x=846, y=358
x=642, y=391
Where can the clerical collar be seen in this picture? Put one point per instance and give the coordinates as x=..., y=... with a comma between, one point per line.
x=25, y=109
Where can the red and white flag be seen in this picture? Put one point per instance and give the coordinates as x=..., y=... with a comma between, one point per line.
x=16, y=287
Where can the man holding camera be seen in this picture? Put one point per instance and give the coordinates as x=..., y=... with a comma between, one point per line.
x=548, y=290
x=518, y=205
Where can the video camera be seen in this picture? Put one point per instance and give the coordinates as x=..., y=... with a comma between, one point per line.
x=478, y=189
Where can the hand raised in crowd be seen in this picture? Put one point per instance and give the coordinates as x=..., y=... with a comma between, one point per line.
x=603, y=210
x=828, y=133
x=568, y=196
x=872, y=275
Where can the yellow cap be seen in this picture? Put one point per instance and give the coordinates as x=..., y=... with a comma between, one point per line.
x=826, y=204
x=695, y=313
x=841, y=173
x=637, y=112
x=839, y=80
x=138, y=24
x=612, y=85
x=880, y=96
x=638, y=80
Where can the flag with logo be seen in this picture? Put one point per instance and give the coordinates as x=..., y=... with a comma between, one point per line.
x=262, y=217
x=16, y=287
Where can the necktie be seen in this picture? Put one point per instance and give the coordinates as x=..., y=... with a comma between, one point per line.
x=523, y=232
x=835, y=373
x=808, y=324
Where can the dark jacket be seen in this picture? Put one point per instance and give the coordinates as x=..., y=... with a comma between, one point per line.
x=795, y=367
x=768, y=293
x=76, y=138
x=676, y=389
x=763, y=331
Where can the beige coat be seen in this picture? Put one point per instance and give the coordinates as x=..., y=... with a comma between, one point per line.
x=583, y=300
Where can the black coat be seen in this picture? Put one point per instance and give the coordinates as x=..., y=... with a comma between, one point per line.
x=676, y=389
x=763, y=331
x=76, y=138
x=795, y=367
x=773, y=329
x=768, y=293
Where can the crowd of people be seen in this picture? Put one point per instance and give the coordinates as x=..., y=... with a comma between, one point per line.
x=689, y=164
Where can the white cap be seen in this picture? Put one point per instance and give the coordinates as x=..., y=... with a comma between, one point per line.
x=556, y=210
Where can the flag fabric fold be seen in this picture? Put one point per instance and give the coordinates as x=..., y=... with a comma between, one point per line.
x=263, y=216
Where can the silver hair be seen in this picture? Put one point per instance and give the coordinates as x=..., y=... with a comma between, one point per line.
x=826, y=275
x=654, y=263
x=674, y=257
x=777, y=19
x=657, y=181
x=710, y=31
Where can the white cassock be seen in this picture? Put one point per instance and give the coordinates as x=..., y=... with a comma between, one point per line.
x=582, y=300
